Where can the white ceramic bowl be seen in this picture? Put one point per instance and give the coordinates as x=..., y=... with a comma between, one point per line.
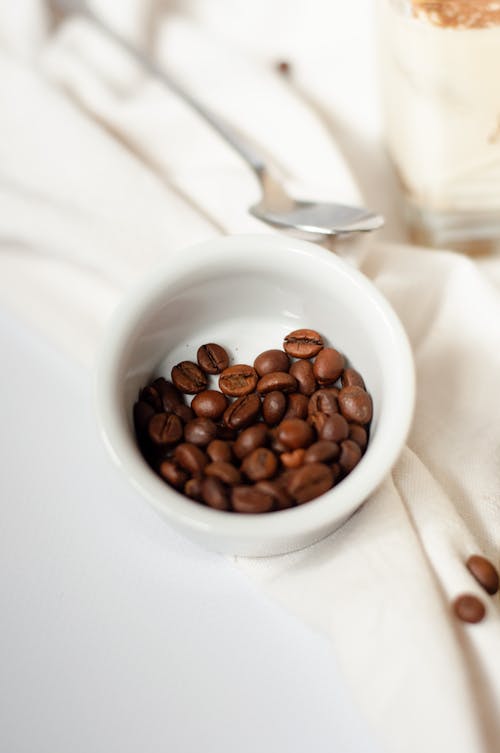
x=246, y=293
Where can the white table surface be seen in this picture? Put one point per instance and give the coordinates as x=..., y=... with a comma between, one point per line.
x=118, y=634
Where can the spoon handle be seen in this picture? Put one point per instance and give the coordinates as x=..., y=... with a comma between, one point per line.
x=229, y=134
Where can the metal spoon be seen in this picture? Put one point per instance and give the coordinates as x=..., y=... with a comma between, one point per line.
x=276, y=207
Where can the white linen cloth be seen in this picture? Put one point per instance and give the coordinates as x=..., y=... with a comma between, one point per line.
x=102, y=172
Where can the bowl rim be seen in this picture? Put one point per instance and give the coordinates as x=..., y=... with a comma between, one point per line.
x=354, y=489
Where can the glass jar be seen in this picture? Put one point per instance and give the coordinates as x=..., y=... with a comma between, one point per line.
x=440, y=73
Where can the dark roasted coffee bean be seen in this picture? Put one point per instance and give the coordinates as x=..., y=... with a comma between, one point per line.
x=225, y=472
x=193, y=488
x=318, y=420
x=225, y=432
x=337, y=472
x=323, y=451
x=297, y=405
x=355, y=405
x=484, y=572
x=191, y=458
x=238, y=380
x=350, y=455
x=165, y=429
x=281, y=498
x=243, y=412
x=200, y=431
x=276, y=445
x=175, y=476
x=143, y=413
x=276, y=381
x=189, y=378
x=358, y=435
x=249, y=440
x=151, y=395
x=274, y=407
x=209, y=404
x=469, y=608
x=328, y=366
x=303, y=373
x=248, y=499
x=293, y=458
x=271, y=360
x=218, y=450
x=212, y=358
x=295, y=433
x=215, y=493
x=170, y=395
x=184, y=412
x=335, y=428
x=310, y=481
x=351, y=378
x=324, y=401
x=260, y=464
x=303, y=343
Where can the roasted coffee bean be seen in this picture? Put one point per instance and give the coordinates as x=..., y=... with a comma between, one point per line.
x=225, y=472
x=276, y=381
x=358, y=435
x=324, y=401
x=317, y=420
x=276, y=444
x=209, y=404
x=143, y=413
x=274, y=407
x=170, y=395
x=469, y=608
x=310, y=481
x=295, y=433
x=243, y=412
x=303, y=343
x=335, y=428
x=218, y=450
x=297, y=406
x=248, y=499
x=328, y=366
x=175, y=476
x=322, y=451
x=285, y=479
x=215, y=493
x=484, y=572
x=355, y=405
x=260, y=464
x=193, y=488
x=165, y=429
x=238, y=380
x=281, y=498
x=337, y=472
x=293, y=459
x=249, y=440
x=351, y=378
x=189, y=378
x=151, y=396
x=350, y=455
x=271, y=360
x=191, y=458
x=200, y=431
x=184, y=412
x=303, y=373
x=212, y=358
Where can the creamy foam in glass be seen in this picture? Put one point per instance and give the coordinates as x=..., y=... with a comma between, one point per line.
x=440, y=71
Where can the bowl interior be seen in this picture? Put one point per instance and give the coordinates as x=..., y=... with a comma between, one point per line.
x=247, y=295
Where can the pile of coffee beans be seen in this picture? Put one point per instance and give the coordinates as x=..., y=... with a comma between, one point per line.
x=274, y=435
